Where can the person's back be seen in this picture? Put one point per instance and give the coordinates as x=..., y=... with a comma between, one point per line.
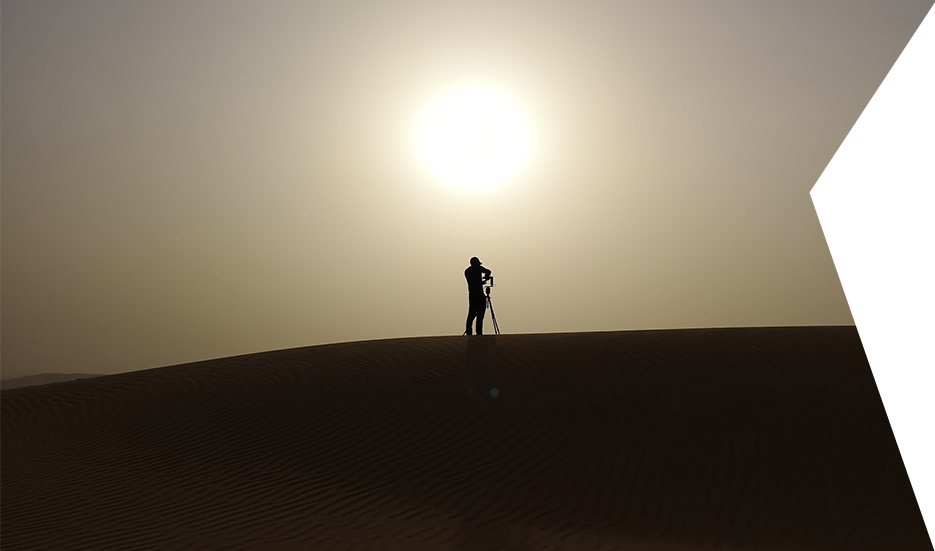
x=475, y=276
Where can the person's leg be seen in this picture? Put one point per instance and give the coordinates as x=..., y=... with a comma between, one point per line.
x=470, y=319
x=480, y=307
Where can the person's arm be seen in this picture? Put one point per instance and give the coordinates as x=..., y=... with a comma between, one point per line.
x=486, y=274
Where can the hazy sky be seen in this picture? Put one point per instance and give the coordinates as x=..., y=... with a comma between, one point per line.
x=184, y=180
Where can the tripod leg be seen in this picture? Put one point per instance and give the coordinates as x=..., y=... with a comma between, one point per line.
x=496, y=328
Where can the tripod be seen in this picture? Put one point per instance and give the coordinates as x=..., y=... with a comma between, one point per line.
x=496, y=328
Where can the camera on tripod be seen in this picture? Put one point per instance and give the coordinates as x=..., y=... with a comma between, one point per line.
x=488, y=283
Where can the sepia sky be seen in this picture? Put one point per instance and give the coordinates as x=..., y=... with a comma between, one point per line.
x=186, y=180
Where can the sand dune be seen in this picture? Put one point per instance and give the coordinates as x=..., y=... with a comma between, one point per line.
x=760, y=438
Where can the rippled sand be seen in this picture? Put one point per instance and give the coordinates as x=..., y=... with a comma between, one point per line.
x=757, y=438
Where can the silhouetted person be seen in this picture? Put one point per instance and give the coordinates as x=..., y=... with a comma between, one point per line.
x=476, y=275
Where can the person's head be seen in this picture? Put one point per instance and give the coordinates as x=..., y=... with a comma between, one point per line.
x=475, y=261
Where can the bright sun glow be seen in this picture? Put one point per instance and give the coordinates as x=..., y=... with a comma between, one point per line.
x=474, y=138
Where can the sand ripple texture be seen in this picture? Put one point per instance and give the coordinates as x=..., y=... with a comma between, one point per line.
x=755, y=438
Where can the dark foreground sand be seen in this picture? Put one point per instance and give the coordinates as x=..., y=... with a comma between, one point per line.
x=761, y=438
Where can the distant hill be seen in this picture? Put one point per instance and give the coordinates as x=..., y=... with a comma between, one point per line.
x=43, y=379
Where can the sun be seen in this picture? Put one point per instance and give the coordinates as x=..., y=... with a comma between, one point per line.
x=473, y=138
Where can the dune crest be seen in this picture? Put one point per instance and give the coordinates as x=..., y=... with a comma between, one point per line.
x=43, y=379
x=750, y=438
